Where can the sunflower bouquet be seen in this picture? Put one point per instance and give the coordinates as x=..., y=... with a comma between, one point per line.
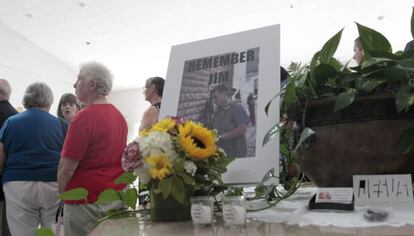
x=176, y=155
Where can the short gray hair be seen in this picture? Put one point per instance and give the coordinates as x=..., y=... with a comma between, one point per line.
x=98, y=72
x=38, y=95
x=5, y=89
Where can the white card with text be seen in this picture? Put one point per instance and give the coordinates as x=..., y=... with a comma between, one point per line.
x=383, y=189
x=337, y=195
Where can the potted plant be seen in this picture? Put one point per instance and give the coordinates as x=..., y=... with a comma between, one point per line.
x=175, y=159
x=356, y=120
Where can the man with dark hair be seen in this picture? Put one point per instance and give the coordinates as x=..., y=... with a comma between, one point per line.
x=230, y=120
x=6, y=110
x=153, y=90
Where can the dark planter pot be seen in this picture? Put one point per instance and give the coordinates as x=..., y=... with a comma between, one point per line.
x=358, y=140
x=168, y=209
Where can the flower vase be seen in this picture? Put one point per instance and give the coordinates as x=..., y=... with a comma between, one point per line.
x=169, y=209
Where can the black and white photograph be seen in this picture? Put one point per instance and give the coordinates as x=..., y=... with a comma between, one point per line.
x=225, y=83
x=220, y=91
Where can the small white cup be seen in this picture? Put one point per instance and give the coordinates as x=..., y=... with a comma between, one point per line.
x=234, y=210
x=202, y=210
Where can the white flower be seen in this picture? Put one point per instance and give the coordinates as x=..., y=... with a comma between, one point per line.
x=190, y=168
x=143, y=174
x=222, y=152
x=157, y=143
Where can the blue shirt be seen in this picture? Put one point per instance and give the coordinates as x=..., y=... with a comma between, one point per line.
x=32, y=142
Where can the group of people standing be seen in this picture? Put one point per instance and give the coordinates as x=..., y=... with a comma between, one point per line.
x=30, y=146
x=42, y=156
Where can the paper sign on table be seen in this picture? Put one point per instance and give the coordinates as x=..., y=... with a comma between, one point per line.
x=387, y=189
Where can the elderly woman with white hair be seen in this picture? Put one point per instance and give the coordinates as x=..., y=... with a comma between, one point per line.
x=30, y=146
x=91, y=155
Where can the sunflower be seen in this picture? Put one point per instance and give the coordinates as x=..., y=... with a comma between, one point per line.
x=159, y=166
x=196, y=140
x=164, y=125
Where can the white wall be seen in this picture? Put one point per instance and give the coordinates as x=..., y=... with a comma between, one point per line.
x=22, y=63
x=132, y=104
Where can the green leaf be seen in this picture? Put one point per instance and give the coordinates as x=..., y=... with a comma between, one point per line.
x=407, y=140
x=375, y=62
x=284, y=149
x=144, y=187
x=346, y=81
x=130, y=198
x=329, y=48
x=386, y=56
x=314, y=63
x=187, y=178
x=306, y=133
x=109, y=195
x=398, y=72
x=226, y=161
x=43, y=231
x=179, y=167
x=271, y=133
x=74, y=194
x=404, y=98
x=165, y=187
x=345, y=99
x=323, y=72
x=372, y=40
x=127, y=178
x=406, y=64
x=271, y=100
x=290, y=93
x=337, y=65
x=177, y=190
x=368, y=84
x=412, y=23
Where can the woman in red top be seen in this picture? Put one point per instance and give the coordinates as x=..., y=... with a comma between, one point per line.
x=91, y=155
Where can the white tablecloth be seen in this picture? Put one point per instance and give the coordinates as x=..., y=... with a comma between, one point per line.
x=294, y=211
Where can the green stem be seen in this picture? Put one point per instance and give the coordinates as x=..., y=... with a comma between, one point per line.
x=279, y=197
x=130, y=213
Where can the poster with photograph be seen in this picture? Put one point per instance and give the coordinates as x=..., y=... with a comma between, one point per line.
x=225, y=83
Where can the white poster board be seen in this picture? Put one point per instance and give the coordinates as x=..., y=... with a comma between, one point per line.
x=249, y=64
x=383, y=189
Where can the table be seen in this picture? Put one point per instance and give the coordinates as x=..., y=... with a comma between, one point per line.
x=144, y=227
x=274, y=221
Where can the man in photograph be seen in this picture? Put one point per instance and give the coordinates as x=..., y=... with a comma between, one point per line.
x=230, y=120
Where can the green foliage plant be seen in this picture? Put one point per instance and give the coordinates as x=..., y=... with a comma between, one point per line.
x=381, y=70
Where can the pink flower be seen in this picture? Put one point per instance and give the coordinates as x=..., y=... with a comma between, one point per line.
x=131, y=157
x=178, y=120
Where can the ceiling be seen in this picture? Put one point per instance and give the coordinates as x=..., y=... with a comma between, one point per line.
x=134, y=37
